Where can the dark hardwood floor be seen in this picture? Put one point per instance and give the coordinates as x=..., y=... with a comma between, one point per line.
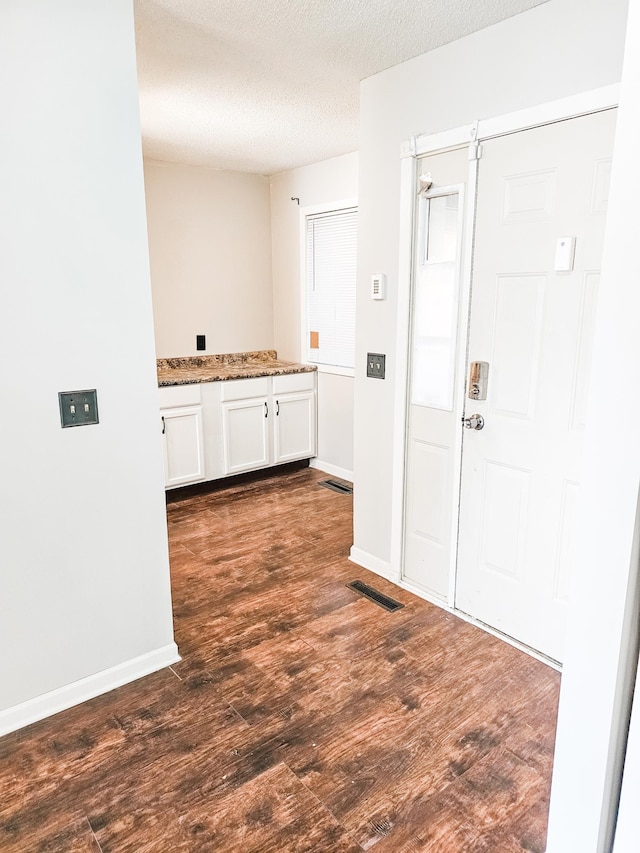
x=302, y=717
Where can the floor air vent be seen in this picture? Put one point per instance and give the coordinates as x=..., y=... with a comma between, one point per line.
x=373, y=595
x=337, y=486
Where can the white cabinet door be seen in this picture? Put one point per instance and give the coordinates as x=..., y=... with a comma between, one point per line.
x=245, y=434
x=294, y=426
x=183, y=446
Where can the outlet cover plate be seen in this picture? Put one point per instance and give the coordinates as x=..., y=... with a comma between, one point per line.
x=78, y=408
x=375, y=365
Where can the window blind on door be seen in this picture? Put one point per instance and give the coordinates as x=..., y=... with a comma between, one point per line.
x=331, y=249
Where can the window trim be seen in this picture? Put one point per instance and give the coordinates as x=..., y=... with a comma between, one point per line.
x=334, y=368
x=311, y=210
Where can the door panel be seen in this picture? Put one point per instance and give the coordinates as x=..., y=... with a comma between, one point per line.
x=517, y=331
x=521, y=472
x=581, y=370
x=505, y=503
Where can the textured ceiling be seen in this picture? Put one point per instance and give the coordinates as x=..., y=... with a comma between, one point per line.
x=267, y=85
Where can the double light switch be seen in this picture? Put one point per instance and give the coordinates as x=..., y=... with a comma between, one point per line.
x=78, y=408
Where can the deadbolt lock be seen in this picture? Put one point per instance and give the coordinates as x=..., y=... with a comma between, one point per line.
x=478, y=380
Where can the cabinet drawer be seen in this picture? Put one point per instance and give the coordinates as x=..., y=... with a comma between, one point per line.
x=179, y=395
x=244, y=389
x=293, y=382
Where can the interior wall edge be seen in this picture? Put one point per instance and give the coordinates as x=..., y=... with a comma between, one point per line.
x=371, y=562
x=48, y=704
x=333, y=470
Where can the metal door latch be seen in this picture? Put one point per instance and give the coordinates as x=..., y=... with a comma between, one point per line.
x=475, y=421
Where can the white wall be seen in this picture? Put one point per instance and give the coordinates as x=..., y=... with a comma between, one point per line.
x=554, y=50
x=335, y=425
x=603, y=625
x=210, y=250
x=322, y=183
x=628, y=826
x=84, y=577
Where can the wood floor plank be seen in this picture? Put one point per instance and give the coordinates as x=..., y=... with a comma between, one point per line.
x=60, y=833
x=496, y=790
x=275, y=813
x=302, y=717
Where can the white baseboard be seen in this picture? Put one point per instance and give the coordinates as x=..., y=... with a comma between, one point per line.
x=86, y=688
x=368, y=561
x=333, y=470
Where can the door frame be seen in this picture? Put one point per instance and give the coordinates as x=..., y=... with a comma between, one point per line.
x=471, y=136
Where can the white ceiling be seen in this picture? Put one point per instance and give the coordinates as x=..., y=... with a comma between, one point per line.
x=267, y=85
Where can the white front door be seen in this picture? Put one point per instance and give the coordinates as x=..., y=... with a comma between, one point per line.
x=433, y=446
x=532, y=323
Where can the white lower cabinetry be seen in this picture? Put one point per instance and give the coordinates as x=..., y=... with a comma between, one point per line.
x=182, y=436
x=268, y=421
x=221, y=428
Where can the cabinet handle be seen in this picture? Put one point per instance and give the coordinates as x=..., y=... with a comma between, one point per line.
x=266, y=410
x=277, y=407
x=163, y=425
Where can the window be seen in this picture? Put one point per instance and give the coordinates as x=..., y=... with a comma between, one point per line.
x=330, y=282
x=435, y=296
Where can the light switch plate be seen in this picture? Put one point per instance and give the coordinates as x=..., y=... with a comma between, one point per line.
x=565, y=254
x=78, y=408
x=376, y=365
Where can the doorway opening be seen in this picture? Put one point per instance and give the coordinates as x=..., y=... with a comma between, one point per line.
x=488, y=512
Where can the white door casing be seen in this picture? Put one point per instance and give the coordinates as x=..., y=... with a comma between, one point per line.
x=521, y=472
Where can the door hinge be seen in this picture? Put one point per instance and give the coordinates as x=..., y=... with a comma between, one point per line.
x=475, y=151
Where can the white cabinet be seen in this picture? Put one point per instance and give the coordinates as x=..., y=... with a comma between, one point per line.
x=294, y=423
x=182, y=435
x=217, y=429
x=245, y=424
x=268, y=421
x=245, y=431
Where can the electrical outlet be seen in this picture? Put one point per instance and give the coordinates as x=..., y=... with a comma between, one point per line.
x=201, y=342
x=375, y=365
x=78, y=408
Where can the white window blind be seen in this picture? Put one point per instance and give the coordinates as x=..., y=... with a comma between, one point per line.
x=331, y=247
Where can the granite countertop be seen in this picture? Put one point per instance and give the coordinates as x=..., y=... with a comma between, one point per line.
x=218, y=368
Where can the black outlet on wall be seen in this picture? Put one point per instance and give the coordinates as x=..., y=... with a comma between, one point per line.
x=201, y=342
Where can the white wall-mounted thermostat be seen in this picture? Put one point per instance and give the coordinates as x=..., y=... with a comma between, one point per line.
x=378, y=285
